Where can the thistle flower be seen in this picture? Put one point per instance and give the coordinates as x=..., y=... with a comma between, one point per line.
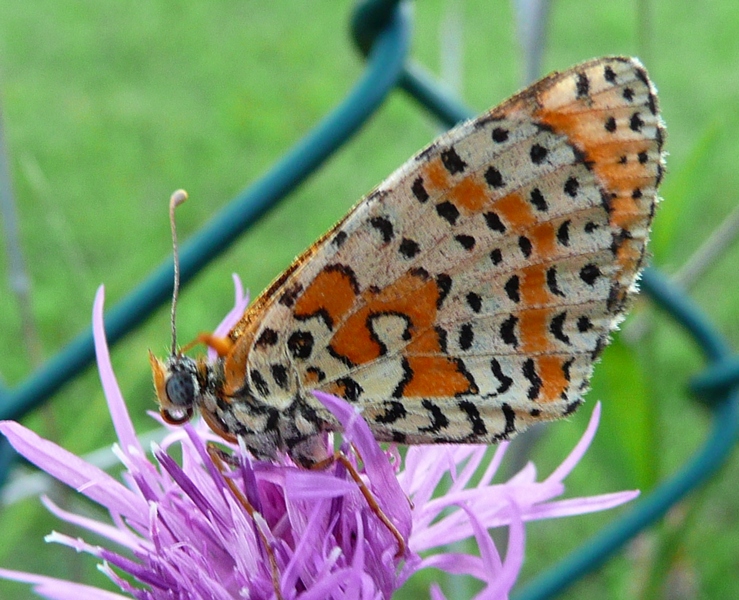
x=184, y=531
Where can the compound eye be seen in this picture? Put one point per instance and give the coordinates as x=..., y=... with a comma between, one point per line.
x=180, y=389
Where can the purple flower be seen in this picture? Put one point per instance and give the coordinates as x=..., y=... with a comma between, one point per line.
x=262, y=530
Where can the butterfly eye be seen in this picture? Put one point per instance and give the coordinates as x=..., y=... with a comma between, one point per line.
x=181, y=389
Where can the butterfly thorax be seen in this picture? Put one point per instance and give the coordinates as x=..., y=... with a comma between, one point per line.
x=236, y=412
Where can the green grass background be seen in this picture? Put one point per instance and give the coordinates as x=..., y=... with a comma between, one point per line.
x=109, y=106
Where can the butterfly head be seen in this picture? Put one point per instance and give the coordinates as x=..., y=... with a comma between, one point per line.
x=176, y=379
x=178, y=387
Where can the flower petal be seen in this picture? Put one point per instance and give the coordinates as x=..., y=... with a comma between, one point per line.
x=579, y=450
x=241, y=301
x=59, y=589
x=117, y=407
x=383, y=480
x=73, y=471
x=313, y=485
x=118, y=535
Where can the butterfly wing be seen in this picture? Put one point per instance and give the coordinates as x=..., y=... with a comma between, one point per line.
x=470, y=293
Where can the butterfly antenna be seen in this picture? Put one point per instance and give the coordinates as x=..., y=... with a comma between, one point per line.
x=175, y=200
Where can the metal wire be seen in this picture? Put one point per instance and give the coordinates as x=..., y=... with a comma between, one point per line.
x=382, y=31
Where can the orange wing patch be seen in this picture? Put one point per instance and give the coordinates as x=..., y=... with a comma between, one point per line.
x=414, y=296
x=435, y=376
x=331, y=294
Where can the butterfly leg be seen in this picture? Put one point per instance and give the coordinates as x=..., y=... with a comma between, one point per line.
x=340, y=457
x=220, y=460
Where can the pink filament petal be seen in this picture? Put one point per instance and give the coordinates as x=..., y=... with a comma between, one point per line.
x=116, y=405
x=73, y=471
x=574, y=457
x=241, y=301
x=59, y=589
x=115, y=534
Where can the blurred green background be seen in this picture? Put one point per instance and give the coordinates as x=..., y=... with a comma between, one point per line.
x=110, y=106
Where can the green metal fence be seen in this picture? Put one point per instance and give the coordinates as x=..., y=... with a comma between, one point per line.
x=381, y=29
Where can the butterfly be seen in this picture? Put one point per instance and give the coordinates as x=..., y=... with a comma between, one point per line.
x=466, y=297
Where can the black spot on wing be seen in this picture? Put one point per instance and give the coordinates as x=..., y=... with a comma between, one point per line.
x=466, y=336
x=474, y=301
x=566, y=367
x=538, y=154
x=419, y=191
x=538, y=200
x=394, y=411
x=466, y=241
x=384, y=226
x=447, y=211
x=508, y=331
x=556, y=327
x=636, y=122
x=441, y=336
x=409, y=248
x=452, y=161
x=444, y=283
x=500, y=135
x=600, y=345
x=571, y=186
x=351, y=389
x=493, y=222
x=340, y=357
x=563, y=233
x=512, y=288
x=652, y=104
x=590, y=274
x=529, y=372
x=268, y=337
x=494, y=178
x=505, y=381
x=258, y=382
x=510, y=420
x=584, y=324
x=279, y=374
x=552, y=282
x=438, y=420
x=473, y=415
x=300, y=343
x=525, y=246
x=339, y=239
x=572, y=407
x=290, y=295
